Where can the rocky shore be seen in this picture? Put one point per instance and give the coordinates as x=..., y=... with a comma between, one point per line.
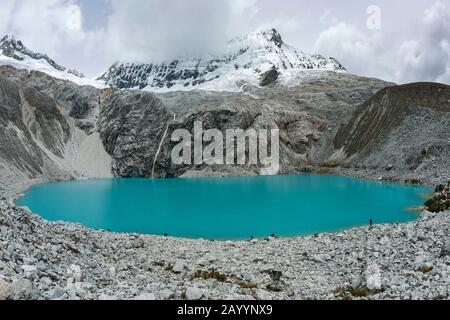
x=45, y=260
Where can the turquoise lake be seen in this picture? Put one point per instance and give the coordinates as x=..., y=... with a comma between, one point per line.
x=225, y=208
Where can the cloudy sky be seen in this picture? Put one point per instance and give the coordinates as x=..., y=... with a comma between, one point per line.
x=401, y=41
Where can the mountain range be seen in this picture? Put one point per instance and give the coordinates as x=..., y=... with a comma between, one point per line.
x=13, y=52
x=258, y=58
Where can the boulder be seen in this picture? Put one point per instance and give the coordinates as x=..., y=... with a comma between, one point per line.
x=29, y=269
x=5, y=290
x=194, y=293
x=179, y=267
x=446, y=248
x=373, y=277
x=74, y=274
x=269, y=77
x=22, y=289
x=56, y=294
x=145, y=297
x=166, y=294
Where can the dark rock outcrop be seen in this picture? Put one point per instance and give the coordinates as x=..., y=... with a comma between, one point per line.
x=269, y=77
x=131, y=126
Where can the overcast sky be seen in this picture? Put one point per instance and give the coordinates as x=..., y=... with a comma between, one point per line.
x=401, y=41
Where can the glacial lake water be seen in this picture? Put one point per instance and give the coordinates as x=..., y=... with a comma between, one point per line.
x=225, y=208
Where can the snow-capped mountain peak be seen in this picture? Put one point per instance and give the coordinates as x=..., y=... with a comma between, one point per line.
x=14, y=53
x=260, y=39
x=247, y=60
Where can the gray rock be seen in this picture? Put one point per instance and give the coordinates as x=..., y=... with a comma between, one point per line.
x=146, y=297
x=263, y=295
x=74, y=273
x=269, y=77
x=373, y=277
x=194, y=293
x=29, y=269
x=22, y=289
x=56, y=294
x=446, y=248
x=5, y=290
x=166, y=294
x=105, y=297
x=179, y=267
x=112, y=272
x=138, y=243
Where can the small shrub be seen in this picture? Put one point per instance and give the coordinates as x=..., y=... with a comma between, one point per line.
x=390, y=179
x=414, y=181
x=425, y=269
x=274, y=288
x=324, y=171
x=169, y=268
x=437, y=204
x=306, y=170
x=211, y=274
x=329, y=165
x=441, y=200
x=159, y=263
x=248, y=285
x=348, y=293
x=274, y=275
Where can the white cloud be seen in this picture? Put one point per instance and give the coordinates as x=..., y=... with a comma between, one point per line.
x=45, y=25
x=54, y=27
x=428, y=57
x=156, y=30
x=328, y=18
x=367, y=52
x=5, y=13
x=74, y=19
x=361, y=52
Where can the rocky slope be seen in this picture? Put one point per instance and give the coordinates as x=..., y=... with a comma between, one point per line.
x=42, y=260
x=40, y=135
x=249, y=59
x=402, y=130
